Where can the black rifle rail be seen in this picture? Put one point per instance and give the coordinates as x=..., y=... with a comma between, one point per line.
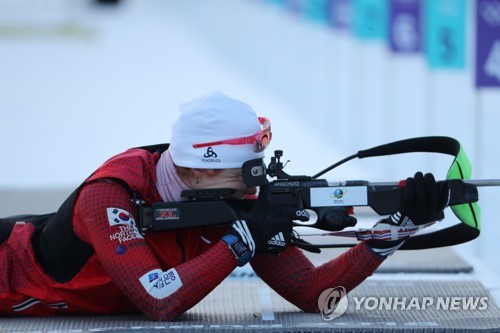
x=211, y=208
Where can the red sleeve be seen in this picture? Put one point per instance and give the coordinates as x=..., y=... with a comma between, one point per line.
x=295, y=278
x=137, y=272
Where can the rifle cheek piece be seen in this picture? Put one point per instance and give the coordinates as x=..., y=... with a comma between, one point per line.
x=254, y=172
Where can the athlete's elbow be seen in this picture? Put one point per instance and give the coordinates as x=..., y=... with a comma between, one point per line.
x=164, y=312
x=308, y=306
x=162, y=315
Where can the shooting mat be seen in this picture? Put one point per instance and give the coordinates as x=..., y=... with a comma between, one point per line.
x=248, y=305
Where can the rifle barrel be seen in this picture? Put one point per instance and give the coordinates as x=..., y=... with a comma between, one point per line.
x=476, y=182
x=483, y=182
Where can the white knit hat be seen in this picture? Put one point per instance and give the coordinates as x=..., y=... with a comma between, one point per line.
x=209, y=118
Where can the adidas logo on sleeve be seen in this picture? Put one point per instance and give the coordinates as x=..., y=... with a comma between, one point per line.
x=278, y=240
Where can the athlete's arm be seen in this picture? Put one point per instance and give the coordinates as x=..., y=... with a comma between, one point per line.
x=296, y=279
x=161, y=293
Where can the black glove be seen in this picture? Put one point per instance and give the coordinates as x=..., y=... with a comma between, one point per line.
x=265, y=228
x=424, y=201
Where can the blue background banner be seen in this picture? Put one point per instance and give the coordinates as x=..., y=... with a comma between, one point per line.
x=405, y=33
x=339, y=13
x=488, y=43
x=371, y=19
x=445, y=33
x=316, y=10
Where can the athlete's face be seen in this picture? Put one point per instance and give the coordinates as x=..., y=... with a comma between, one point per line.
x=226, y=178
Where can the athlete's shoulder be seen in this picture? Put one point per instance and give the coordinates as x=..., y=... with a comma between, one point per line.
x=134, y=162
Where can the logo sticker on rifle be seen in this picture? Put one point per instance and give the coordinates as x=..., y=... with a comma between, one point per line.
x=339, y=196
x=165, y=214
x=338, y=193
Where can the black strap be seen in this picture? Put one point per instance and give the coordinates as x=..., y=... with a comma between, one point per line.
x=453, y=235
x=58, y=250
x=426, y=144
x=158, y=148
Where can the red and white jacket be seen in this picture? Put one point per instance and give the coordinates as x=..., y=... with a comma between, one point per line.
x=161, y=274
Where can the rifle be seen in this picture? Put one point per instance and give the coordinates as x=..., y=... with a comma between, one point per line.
x=212, y=207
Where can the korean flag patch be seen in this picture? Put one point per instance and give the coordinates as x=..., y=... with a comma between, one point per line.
x=118, y=216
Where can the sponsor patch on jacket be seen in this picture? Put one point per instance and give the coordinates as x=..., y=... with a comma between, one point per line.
x=124, y=223
x=161, y=284
x=118, y=216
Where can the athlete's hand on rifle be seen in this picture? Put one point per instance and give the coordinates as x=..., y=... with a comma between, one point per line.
x=424, y=201
x=334, y=218
x=265, y=228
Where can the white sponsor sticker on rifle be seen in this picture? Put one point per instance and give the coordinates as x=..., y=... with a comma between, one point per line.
x=339, y=196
